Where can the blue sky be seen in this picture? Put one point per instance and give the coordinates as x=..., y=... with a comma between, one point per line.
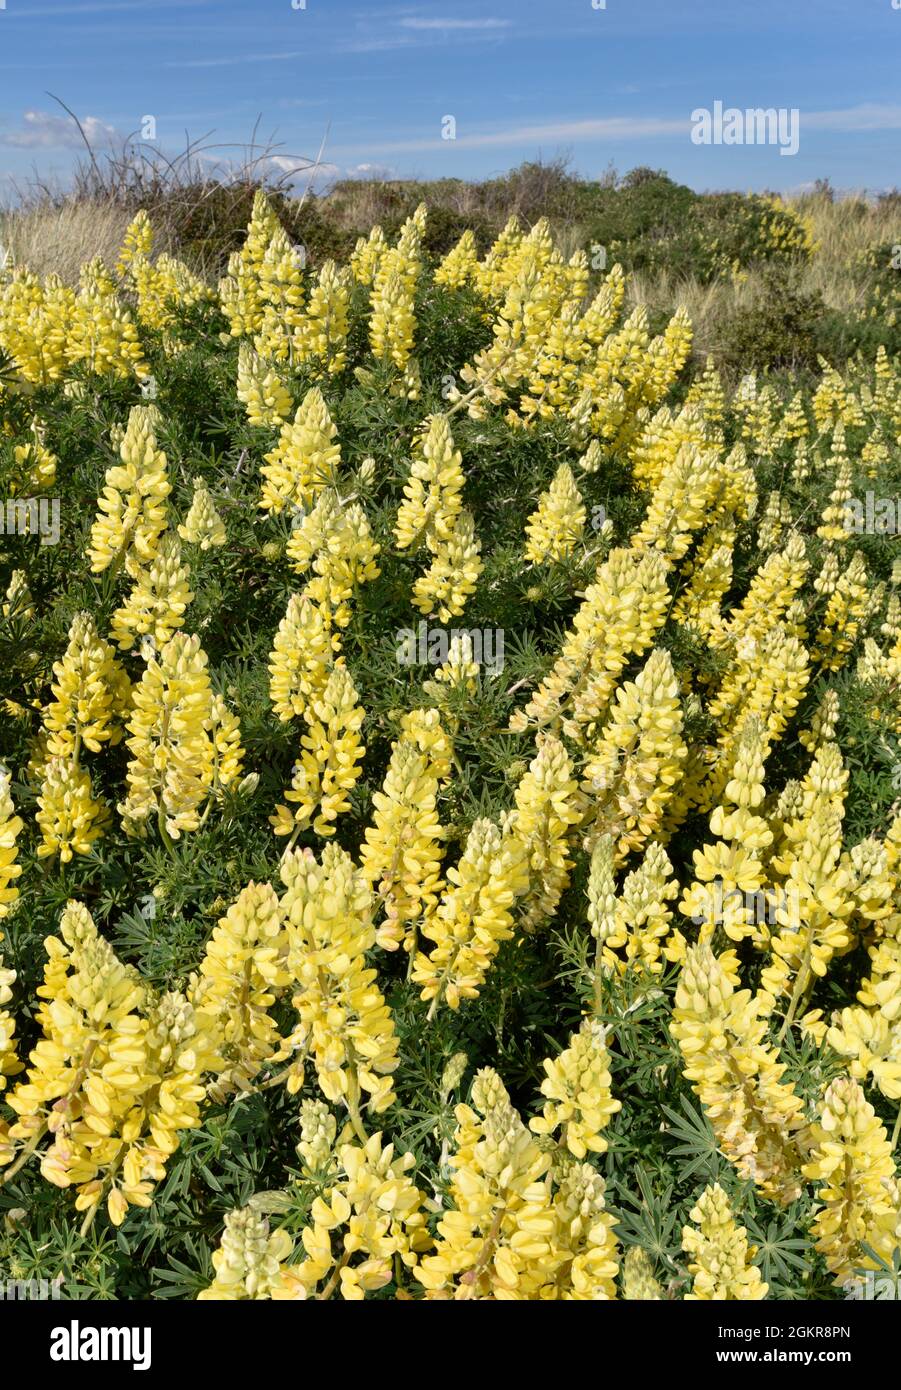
x=521, y=78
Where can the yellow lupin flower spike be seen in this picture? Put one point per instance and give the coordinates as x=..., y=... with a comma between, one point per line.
x=546, y=808
x=558, y=524
x=343, y=1023
x=240, y=978
x=68, y=816
x=261, y=388
x=579, y=1103
x=249, y=1261
x=374, y=1211
x=460, y=266
x=335, y=542
x=433, y=493
x=203, y=525
x=852, y=1159
x=473, y=917
x=10, y=828
x=638, y=1282
x=138, y=241
x=757, y=1118
x=131, y=514
x=638, y=762
x=155, y=608
x=301, y=658
x=720, y=1254
x=454, y=572
x=91, y=694
x=401, y=856
x=170, y=774
x=519, y=1226
x=18, y=603
x=305, y=460
x=328, y=767
x=322, y=337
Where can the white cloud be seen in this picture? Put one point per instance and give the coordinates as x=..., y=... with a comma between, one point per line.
x=855, y=119
x=455, y=23
x=41, y=130
x=608, y=128
x=282, y=56
x=369, y=171
x=868, y=116
x=98, y=7
x=377, y=45
x=325, y=175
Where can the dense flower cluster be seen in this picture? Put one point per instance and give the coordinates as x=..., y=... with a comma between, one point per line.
x=658, y=814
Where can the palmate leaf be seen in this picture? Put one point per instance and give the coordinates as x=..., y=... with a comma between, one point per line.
x=782, y=1255
x=649, y=1218
x=183, y=1280
x=696, y=1143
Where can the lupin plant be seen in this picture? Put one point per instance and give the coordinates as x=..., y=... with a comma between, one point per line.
x=568, y=974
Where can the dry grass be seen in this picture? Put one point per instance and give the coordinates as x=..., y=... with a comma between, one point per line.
x=843, y=231
x=709, y=306
x=60, y=239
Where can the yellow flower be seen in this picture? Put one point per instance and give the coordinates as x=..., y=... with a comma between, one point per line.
x=852, y=1160
x=558, y=524
x=343, y=1022
x=10, y=827
x=240, y=977
x=473, y=917
x=374, y=1212
x=328, y=765
x=756, y=1116
x=91, y=693
x=131, y=512
x=547, y=808
x=155, y=607
x=261, y=389
x=203, y=525
x=460, y=266
x=638, y=1282
x=171, y=769
x=433, y=492
x=304, y=461
x=517, y=1228
x=638, y=761
x=249, y=1261
x=68, y=817
x=577, y=1086
x=138, y=241
x=301, y=658
x=721, y=1257
x=618, y=617
x=401, y=856
x=322, y=336
x=366, y=256
x=334, y=540
x=454, y=572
